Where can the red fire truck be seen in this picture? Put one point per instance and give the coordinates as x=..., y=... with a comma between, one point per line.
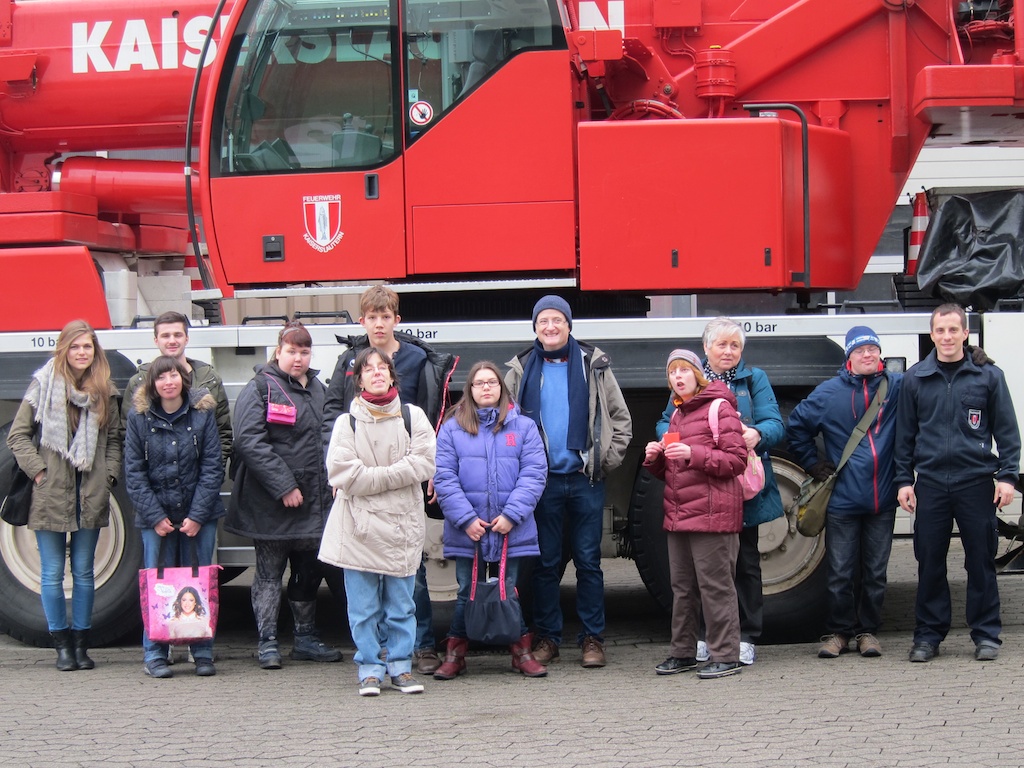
x=474, y=154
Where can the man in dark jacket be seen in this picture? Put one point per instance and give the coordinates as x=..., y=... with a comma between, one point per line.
x=951, y=411
x=862, y=508
x=423, y=377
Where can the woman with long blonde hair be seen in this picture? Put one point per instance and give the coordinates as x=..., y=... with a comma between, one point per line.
x=67, y=436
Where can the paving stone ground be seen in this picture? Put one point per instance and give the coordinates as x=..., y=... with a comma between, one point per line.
x=788, y=709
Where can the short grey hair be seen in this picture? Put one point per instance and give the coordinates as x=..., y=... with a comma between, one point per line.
x=722, y=327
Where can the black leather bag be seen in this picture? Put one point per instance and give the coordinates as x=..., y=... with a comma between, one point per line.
x=493, y=615
x=16, y=504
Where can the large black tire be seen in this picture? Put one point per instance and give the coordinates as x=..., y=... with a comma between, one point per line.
x=118, y=558
x=792, y=566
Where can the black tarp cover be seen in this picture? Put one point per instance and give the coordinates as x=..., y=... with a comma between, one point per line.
x=973, y=250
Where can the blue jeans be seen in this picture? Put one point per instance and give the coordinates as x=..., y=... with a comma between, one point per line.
x=974, y=512
x=52, y=548
x=858, y=548
x=179, y=552
x=424, y=613
x=569, y=502
x=374, y=601
x=464, y=575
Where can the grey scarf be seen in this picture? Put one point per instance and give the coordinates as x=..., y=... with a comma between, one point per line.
x=50, y=395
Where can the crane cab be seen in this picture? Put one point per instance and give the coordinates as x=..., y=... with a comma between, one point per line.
x=360, y=140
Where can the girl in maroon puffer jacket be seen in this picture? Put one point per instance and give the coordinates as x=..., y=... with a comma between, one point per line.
x=703, y=516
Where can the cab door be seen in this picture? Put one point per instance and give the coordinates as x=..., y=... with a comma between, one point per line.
x=489, y=134
x=306, y=175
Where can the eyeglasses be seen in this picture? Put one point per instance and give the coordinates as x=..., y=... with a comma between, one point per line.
x=554, y=322
x=488, y=384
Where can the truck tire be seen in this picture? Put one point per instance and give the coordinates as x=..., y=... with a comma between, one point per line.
x=792, y=566
x=118, y=559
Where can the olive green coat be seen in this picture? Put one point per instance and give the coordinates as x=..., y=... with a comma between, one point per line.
x=53, y=500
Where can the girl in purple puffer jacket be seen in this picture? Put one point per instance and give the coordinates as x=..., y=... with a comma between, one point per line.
x=491, y=471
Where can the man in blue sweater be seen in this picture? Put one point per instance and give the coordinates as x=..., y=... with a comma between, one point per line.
x=568, y=388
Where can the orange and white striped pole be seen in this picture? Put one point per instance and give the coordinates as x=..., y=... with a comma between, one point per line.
x=918, y=225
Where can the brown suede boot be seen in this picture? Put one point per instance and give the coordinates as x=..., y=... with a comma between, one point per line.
x=454, y=663
x=522, y=658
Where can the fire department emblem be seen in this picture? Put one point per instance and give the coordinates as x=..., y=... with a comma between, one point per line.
x=322, y=214
x=974, y=417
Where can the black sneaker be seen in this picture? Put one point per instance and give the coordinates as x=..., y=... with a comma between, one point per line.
x=205, y=668
x=923, y=652
x=406, y=683
x=986, y=651
x=719, y=669
x=674, y=665
x=158, y=668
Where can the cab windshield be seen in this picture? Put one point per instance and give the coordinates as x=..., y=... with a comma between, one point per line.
x=314, y=85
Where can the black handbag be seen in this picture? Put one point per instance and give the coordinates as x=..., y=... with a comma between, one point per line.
x=493, y=615
x=16, y=504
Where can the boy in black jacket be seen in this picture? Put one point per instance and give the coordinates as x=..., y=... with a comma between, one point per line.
x=423, y=377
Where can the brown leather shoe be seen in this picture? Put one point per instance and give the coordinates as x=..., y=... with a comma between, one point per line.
x=593, y=653
x=426, y=660
x=868, y=645
x=545, y=650
x=832, y=646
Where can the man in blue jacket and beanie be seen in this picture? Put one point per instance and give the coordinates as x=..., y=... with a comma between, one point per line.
x=956, y=429
x=862, y=508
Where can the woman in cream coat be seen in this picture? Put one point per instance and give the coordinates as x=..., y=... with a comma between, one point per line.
x=376, y=528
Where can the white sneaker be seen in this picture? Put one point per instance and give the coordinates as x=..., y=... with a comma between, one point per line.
x=702, y=651
x=748, y=653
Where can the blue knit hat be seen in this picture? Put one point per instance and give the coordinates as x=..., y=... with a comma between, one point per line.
x=860, y=336
x=552, y=302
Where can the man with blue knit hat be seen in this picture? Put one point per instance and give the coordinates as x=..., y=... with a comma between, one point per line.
x=568, y=388
x=862, y=508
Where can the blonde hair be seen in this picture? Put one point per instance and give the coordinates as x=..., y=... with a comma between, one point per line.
x=94, y=380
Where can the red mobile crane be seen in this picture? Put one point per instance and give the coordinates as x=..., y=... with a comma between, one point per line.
x=645, y=146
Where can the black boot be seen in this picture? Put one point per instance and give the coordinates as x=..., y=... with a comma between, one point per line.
x=307, y=645
x=80, y=641
x=65, y=653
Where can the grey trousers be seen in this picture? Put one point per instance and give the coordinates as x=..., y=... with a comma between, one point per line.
x=702, y=569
